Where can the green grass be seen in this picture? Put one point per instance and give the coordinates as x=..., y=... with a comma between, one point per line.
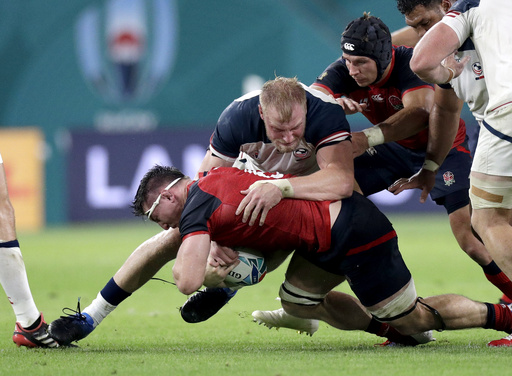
x=146, y=336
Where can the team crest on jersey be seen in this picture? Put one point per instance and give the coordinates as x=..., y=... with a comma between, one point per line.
x=448, y=178
x=477, y=70
x=396, y=102
x=301, y=153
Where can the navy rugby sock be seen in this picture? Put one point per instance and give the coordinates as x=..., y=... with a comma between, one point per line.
x=114, y=294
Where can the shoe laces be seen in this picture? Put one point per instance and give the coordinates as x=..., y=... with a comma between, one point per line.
x=71, y=312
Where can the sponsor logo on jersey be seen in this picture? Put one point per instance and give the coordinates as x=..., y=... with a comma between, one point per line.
x=301, y=153
x=396, y=102
x=377, y=98
x=322, y=76
x=448, y=178
x=349, y=46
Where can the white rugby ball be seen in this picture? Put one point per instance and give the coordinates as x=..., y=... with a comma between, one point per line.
x=251, y=270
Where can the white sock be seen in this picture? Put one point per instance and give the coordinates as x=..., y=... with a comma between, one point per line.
x=13, y=278
x=99, y=309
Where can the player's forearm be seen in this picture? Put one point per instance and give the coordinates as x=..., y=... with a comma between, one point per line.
x=190, y=265
x=405, y=123
x=443, y=128
x=210, y=161
x=434, y=74
x=324, y=185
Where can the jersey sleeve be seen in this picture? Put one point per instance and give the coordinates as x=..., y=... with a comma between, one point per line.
x=326, y=122
x=336, y=80
x=199, y=207
x=459, y=18
x=408, y=80
x=225, y=142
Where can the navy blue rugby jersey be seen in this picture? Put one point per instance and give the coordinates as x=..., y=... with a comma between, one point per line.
x=240, y=132
x=385, y=99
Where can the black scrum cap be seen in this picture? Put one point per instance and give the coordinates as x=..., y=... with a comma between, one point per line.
x=368, y=36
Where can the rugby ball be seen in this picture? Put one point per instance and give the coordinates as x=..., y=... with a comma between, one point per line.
x=251, y=270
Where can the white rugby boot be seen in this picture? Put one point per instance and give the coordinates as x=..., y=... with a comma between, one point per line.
x=280, y=319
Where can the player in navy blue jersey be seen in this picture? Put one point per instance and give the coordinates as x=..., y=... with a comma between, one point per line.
x=374, y=77
x=284, y=127
x=334, y=241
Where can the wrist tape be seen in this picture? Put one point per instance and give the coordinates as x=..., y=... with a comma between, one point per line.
x=283, y=184
x=374, y=135
x=430, y=165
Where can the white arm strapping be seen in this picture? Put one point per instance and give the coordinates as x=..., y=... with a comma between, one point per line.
x=283, y=184
x=374, y=135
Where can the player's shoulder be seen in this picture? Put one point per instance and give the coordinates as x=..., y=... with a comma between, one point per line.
x=252, y=95
x=321, y=105
x=462, y=6
x=317, y=96
x=242, y=110
x=401, y=60
x=336, y=73
x=403, y=54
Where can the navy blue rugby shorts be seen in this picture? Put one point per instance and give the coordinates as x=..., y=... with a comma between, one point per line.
x=364, y=248
x=382, y=165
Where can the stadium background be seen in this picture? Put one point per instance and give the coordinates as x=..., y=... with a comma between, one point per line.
x=96, y=92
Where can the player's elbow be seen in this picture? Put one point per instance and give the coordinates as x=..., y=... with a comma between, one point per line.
x=421, y=66
x=186, y=284
x=345, y=189
x=188, y=287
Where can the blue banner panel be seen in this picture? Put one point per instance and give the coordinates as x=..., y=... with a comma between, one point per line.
x=104, y=170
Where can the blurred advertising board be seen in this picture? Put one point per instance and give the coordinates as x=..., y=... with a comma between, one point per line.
x=104, y=171
x=22, y=153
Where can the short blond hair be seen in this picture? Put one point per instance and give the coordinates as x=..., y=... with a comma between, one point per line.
x=282, y=93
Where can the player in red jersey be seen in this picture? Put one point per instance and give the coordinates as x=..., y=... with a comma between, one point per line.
x=334, y=241
x=286, y=126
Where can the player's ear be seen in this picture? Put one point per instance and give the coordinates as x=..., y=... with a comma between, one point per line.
x=446, y=5
x=260, y=110
x=168, y=195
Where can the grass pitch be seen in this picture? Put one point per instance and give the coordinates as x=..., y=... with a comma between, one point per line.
x=146, y=336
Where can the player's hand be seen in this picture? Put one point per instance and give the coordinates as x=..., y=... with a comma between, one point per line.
x=456, y=65
x=423, y=179
x=221, y=256
x=359, y=143
x=351, y=106
x=215, y=275
x=259, y=200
